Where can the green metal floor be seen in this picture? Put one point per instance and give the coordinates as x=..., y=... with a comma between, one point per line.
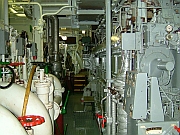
x=79, y=122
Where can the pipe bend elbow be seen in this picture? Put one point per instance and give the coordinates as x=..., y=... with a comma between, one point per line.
x=12, y=99
x=57, y=84
x=9, y=121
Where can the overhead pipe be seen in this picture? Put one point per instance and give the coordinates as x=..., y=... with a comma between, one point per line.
x=54, y=4
x=58, y=11
x=108, y=65
x=12, y=99
x=27, y=3
x=9, y=124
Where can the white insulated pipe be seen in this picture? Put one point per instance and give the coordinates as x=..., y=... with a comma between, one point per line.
x=108, y=66
x=57, y=94
x=27, y=3
x=51, y=99
x=114, y=115
x=42, y=89
x=24, y=67
x=9, y=124
x=58, y=90
x=12, y=99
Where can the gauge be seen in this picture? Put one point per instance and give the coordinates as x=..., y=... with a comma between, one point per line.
x=169, y=28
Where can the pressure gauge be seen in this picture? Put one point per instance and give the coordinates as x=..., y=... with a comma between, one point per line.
x=169, y=28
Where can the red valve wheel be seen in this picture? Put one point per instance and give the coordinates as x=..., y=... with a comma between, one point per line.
x=16, y=64
x=176, y=128
x=31, y=120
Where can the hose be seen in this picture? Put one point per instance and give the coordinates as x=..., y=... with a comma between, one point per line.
x=26, y=97
x=12, y=79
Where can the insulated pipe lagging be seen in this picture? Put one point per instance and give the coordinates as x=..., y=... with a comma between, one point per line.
x=9, y=124
x=79, y=60
x=113, y=118
x=12, y=99
x=58, y=90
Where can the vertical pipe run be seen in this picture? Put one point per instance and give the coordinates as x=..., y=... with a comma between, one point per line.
x=47, y=29
x=108, y=64
x=56, y=34
x=3, y=60
x=113, y=118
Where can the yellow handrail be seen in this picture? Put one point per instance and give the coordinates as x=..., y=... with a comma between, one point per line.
x=28, y=88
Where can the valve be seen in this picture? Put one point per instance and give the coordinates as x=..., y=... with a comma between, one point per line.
x=177, y=129
x=31, y=120
x=112, y=90
x=4, y=63
x=102, y=118
x=16, y=64
x=43, y=65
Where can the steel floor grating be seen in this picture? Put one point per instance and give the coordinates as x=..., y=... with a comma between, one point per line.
x=79, y=122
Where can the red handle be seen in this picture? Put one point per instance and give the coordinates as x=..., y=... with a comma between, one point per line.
x=103, y=119
x=178, y=129
x=31, y=120
x=16, y=64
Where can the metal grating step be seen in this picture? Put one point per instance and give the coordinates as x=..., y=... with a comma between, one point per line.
x=83, y=120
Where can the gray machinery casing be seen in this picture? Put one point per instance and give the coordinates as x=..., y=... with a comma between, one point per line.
x=144, y=96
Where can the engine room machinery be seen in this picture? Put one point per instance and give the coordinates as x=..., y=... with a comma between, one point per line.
x=134, y=71
x=133, y=67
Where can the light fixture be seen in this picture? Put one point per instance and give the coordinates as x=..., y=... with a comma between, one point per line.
x=63, y=28
x=83, y=31
x=64, y=37
x=21, y=15
x=13, y=11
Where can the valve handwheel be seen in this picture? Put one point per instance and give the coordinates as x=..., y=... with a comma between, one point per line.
x=16, y=64
x=31, y=120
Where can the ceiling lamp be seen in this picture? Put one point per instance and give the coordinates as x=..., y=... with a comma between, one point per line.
x=21, y=15
x=64, y=37
x=83, y=31
x=13, y=11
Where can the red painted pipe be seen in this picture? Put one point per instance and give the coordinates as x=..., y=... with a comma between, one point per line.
x=59, y=128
